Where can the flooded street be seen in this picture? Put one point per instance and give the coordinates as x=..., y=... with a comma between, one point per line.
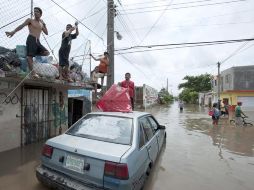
x=196, y=155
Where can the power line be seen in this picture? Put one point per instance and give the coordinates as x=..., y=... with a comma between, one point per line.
x=173, y=4
x=202, y=18
x=77, y=19
x=160, y=1
x=95, y=5
x=158, y=19
x=133, y=36
x=181, y=45
x=187, y=43
x=185, y=7
x=234, y=52
x=140, y=70
x=14, y=21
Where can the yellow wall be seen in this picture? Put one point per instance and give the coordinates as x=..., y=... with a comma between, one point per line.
x=232, y=96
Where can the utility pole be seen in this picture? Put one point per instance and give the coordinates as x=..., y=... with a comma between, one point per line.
x=32, y=7
x=218, y=85
x=110, y=42
x=167, y=84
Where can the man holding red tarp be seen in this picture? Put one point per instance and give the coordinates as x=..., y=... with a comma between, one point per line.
x=116, y=99
x=127, y=83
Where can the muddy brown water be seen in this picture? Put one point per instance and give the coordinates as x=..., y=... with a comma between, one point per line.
x=196, y=155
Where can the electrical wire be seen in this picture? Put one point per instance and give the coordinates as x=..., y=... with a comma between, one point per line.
x=186, y=7
x=140, y=70
x=129, y=32
x=157, y=20
x=161, y=1
x=173, y=4
x=77, y=20
x=188, y=43
x=14, y=21
x=235, y=52
x=185, y=45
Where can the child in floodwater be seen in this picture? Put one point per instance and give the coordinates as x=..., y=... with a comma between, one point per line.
x=181, y=106
x=215, y=114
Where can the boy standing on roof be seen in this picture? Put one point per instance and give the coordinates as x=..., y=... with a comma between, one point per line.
x=33, y=45
x=103, y=66
x=65, y=49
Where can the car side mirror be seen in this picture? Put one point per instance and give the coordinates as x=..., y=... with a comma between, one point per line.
x=161, y=127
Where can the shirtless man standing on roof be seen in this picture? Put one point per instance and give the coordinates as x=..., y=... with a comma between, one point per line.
x=33, y=45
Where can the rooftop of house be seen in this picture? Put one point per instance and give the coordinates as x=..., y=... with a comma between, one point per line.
x=46, y=82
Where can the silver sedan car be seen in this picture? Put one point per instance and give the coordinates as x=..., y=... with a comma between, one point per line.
x=103, y=150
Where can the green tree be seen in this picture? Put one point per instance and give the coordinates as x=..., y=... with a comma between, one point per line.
x=194, y=85
x=197, y=83
x=165, y=97
x=189, y=96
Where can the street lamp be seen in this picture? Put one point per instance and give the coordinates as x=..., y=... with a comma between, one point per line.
x=118, y=35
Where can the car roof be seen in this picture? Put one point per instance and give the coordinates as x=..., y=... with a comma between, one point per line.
x=134, y=114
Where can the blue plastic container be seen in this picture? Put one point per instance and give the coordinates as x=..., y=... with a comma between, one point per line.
x=24, y=64
x=21, y=51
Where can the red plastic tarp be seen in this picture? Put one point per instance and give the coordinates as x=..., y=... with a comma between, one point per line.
x=116, y=99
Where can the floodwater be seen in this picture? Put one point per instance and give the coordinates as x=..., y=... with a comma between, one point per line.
x=196, y=155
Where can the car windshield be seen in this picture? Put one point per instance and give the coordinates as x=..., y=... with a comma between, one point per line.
x=104, y=128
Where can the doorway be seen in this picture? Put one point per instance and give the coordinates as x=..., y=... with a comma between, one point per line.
x=75, y=110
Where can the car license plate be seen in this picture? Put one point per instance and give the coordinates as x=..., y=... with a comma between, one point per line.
x=74, y=163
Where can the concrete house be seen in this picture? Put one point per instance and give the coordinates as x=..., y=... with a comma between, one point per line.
x=237, y=85
x=34, y=111
x=145, y=96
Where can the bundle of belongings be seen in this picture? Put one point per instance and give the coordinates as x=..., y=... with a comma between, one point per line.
x=116, y=99
x=16, y=61
x=9, y=61
x=76, y=73
x=44, y=66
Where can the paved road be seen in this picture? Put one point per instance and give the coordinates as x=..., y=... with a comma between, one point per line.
x=196, y=156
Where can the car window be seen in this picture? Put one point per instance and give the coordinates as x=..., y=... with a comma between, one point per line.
x=153, y=123
x=141, y=136
x=105, y=128
x=147, y=128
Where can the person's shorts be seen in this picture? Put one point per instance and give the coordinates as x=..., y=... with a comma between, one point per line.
x=63, y=58
x=34, y=47
x=99, y=75
x=238, y=121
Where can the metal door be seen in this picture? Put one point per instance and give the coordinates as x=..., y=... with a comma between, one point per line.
x=35, y=122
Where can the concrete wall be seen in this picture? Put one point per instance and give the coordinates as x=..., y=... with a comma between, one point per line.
x=10, y=125
x=227, y=80
x=139, y=95
x=59, y=114
x=237, y=78
x=150, y=96
x=244, y=78
x=232, y=96
x=206, y=98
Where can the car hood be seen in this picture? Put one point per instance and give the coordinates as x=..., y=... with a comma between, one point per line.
x=89, y=147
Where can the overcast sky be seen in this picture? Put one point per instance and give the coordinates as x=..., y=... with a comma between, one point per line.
x=147, y=22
